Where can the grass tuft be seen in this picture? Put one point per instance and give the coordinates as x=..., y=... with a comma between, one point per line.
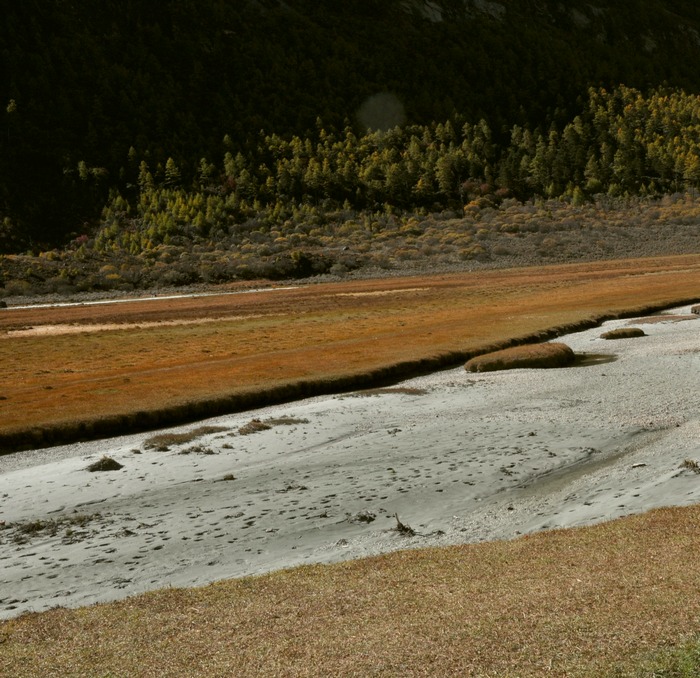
x=529, y=356
x=257, y=425
x=253, y=426
x=691, y=465
x=624, y=333
x=105, y=463
x=163, y=441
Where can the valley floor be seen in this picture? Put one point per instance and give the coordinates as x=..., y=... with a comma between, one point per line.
x=456, y=457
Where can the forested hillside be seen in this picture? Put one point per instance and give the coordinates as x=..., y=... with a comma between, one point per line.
x=257, y=106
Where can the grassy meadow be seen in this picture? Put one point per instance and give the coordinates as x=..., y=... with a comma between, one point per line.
x=94, y=370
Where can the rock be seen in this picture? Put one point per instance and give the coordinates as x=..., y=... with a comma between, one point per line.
x=528, y=356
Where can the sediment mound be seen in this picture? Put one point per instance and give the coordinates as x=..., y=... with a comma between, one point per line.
x=529, y=356
x=623, y=333
x=105, y=463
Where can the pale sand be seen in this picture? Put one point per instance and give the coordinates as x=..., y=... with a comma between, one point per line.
x=477, y=457
x=80, y=328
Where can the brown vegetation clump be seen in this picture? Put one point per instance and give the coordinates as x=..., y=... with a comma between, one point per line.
x=22, y=532
x=253, y=426
x=162, y=441
x=623, y=333
x=691, y=465
x=105, y=463
x=529, y=356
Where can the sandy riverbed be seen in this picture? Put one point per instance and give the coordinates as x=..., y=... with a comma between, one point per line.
x=459, y=457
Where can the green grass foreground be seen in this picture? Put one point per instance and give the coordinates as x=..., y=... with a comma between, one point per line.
x=608, y=600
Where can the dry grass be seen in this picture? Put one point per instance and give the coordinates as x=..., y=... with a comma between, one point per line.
x=23, y=532
x=691, y=465
x=624, y=333
x=529, y=356
x=285, y=344
x=163, y=441
x=105, y=463
x=286, y=420
x=581, y=602
x=253, y=426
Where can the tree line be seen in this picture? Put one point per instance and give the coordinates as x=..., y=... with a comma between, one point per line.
x=83, y=83
x=622, y=143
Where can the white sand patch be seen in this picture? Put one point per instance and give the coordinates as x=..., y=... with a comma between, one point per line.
x=477, y=457
x=381, y=293
x=78, y=328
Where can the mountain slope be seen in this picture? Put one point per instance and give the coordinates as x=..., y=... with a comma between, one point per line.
x=87, y=82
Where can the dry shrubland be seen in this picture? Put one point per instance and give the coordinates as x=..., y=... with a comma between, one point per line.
x=341, y=243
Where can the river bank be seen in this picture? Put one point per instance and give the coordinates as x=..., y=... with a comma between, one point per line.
x=457, y=457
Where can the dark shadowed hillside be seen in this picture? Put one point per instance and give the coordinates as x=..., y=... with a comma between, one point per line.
x=91, y=89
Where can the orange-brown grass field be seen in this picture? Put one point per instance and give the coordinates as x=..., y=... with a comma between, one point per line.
x=594, y=601
x=96, y=370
